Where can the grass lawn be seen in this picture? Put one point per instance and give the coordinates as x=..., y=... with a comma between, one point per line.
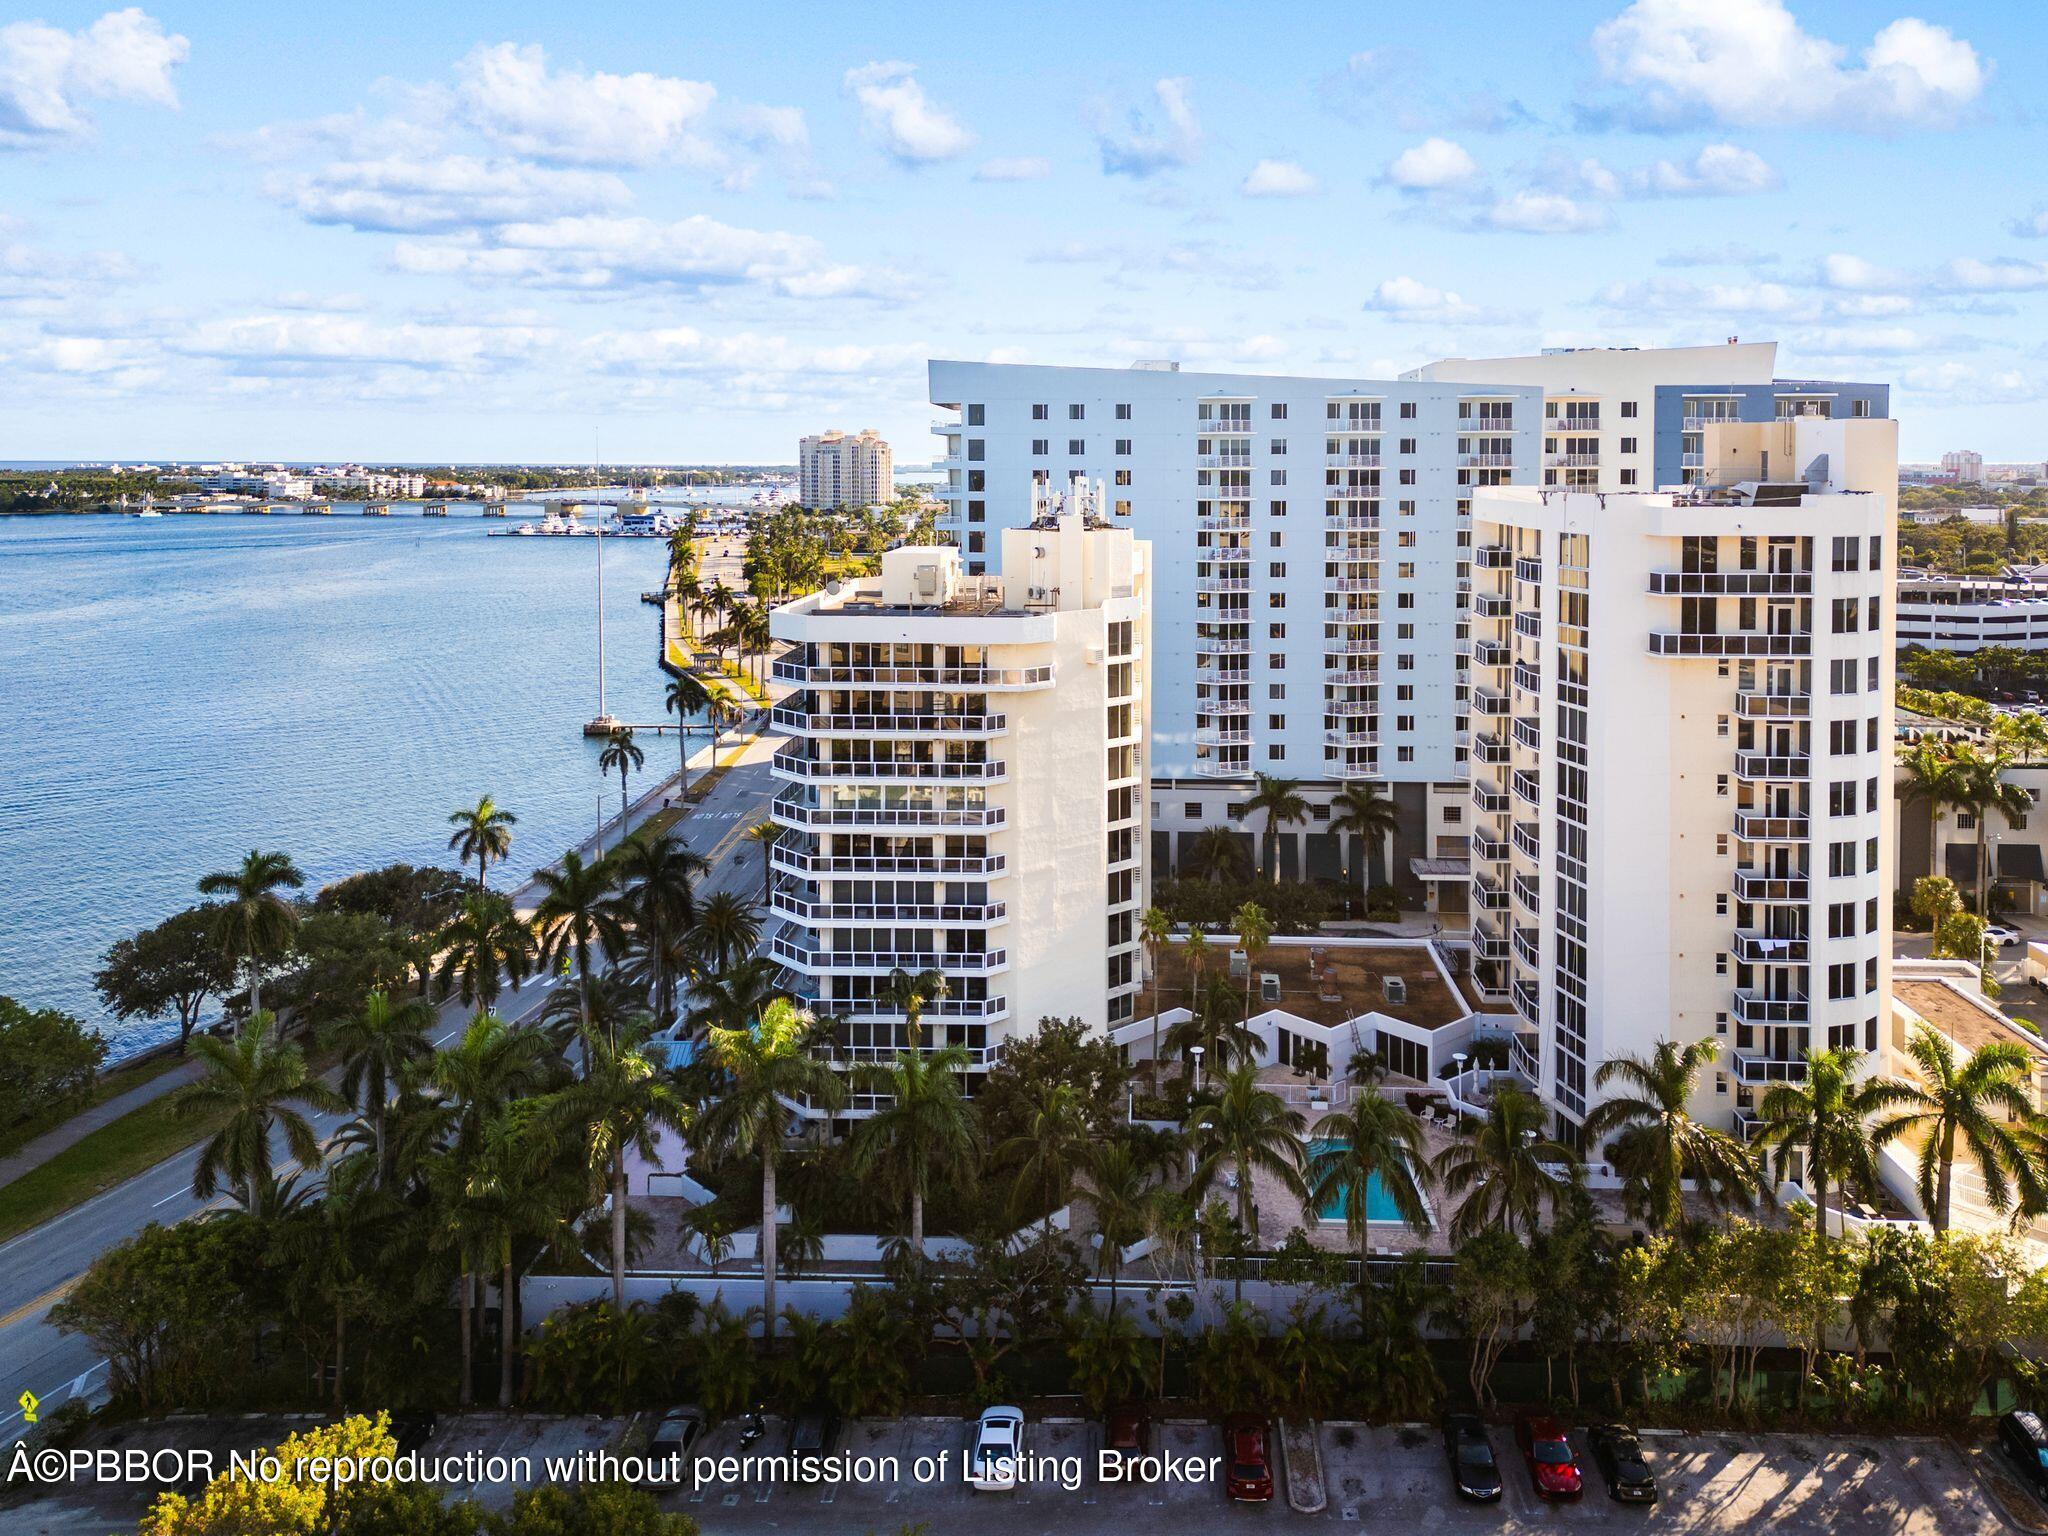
x=110, y=1084
x=137, y=1141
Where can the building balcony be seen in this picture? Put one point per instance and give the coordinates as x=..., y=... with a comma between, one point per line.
x=1764, y=827
x=951, y=679
x=1737, y=642
x=1492, y=605
x=1527, y=840
x=1746, y=1124
x=1352, y=738
x=1352, y=426
x=1221, y=735
x=850, y=865
x=1208, y=706
x=1523, y=994
x=1527, y=894
x=1214, y=646
x=1349, y=674
x=986, y=914
x=1488, y=945
x=1224, y=522
x=793, y=767
x=1527, y=949
x=1223, y=768
x=815, y=961
x=1692, y=421
x=1731, y=583
x=1489, y=893
x=1351, y=460
x=1486, y=461
x=1758, y=1071
x=1529, y=732
x=1350, y=708
x=1223, y=461
x=1487, y=849
x=1489, y=653
x=1492, y=750
x=1765, y=767
x=1528, y=568
x=1352, y=522
x=1492, y=557
x=1571, y=460
x=1363, y=769
x=1755, y=948
x=1208, y=673
x=1761, y=886
x=1753, y=1007
x=1489, y=800
x=1226, y=554
x=1223, y=583
x=795, y=814
x=961, y=727
x=1488, y=701
x=1528, y=787
x=1526, y=679
x=1753, y=705
x=1572, y=426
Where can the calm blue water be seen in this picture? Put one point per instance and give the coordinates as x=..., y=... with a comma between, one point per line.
x=179, y=690
x=1377, y=1206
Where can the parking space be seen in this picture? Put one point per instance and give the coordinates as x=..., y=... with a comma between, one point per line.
x=1827, y=1483
x=512, y=1450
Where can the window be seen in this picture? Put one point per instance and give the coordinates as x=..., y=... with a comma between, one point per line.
x=1040, y=447
x=1841, y=737
x=1628, y=477
x=1276, y=599
x=1041, y=412
x=1276, y=631
x=1276, y=690
x=1407, y=445
x=1076, y=412
x=1123, y=445
x=1628, y=445
x=1123, y=411
x=1407, y=477
x=1276, y=722
x=1275, y=538
x=1859, y=408
x=1277, y=445
x=977, y=450
x=1628, y=410
x=1842, y=675
x=1276, y=508
x=1191, y=810
x=1276, y=569
x=1843, y=612
x=1279, y=410
x=1842, y=798
x=1404, y=722
x=1842, y=920
x=1077, y=446
x=977, y=416
x=1841, y=860
x=1277, y=477
x=1123, y=476
x=1845, y=551
x=1275, y=661
x=977, y=479
x=1842, y=980
x=1407, y=410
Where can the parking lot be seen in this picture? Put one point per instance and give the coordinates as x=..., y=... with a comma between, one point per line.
x=1384, y=1478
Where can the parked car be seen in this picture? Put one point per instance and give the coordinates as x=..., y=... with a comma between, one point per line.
x=2024, y=1439
x=669, y=1447
x=2001, y=935
x=412, y=1431
x=1474, y=1472
x=1126, y=1431
x=812, y=1433
x=998, y=1443
x=1247, y=1458
x=1553, y=1467
x=1620, y=1456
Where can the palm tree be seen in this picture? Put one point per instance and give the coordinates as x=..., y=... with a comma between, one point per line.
x=908, y=993
x=763, y=834
x=489, y=1067
x=1984, y=788
x=1376, y=1142
x=1216, y=1025
x=623, y=753
x=1362, y=810
x=684, y=697
x=376, y=1046
x=326, y=1241
x=482, y=832
x=727, y=930
x=733, y=998
x=1154, y=929
x=257, y=921
x=1281, y=803
x=1500, y=1165
x=925, y=1133
x=1121, y=1193
x=621, y=1105
x=1047, y=1151
x=1981, y=1102
x=1928, y=775
x=1254, y=932
x=1825, y=1121
x=1214, y=854
x=252, y=1082
x=768, y=1065
x=484, y=948
x=1658, y=1143
x=575, y=917
x=1245, y=1124
x=723, y=715
x=657, y=895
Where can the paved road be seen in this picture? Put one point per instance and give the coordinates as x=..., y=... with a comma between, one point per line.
x=37, y=1267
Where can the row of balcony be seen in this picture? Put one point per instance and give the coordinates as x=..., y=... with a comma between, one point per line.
x=1768, y=766
x=1751, y=704
x=1734, y=642
x=831, y=865
x=813, y=960
x=984, y=914
x=1769, y=827
x=796, y=814
x=934, y=676
x=1731, y=583
x=790, y=764
x=806, y=723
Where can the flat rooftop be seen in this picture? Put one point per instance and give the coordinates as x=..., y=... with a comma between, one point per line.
x=1328, y=984
x=1969, y=1023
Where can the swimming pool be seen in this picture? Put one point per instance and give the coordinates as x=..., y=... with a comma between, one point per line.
x=1378, y=1205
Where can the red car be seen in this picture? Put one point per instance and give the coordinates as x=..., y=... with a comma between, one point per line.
x=1125, y=1431
x=1552, y=1466
x=1247, y=1459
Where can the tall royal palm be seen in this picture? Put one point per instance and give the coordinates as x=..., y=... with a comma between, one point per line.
x=622, y=1105
x=376, y=1045
x=1280, y=802
x=621, y=755
x=1978, y=1104
x=1154, y=929
x=484, y=949
x=256, y=919
x=1657, y=1143
x=575, y=919
x=1363, y=810
x=684, y=697
x=253, y=1084
x=767, y=1066
x=482, y=832
x=1376, y=1144
x=765, y=834
x=923, y=1135
x=657, y=897
x=1241, y=1124
x=1984, y=788
x=1825, y=1122
x=1214, y=854
x=489, y=1067
x=727, y=931
x=1503, y=1166
x=1254, y=932
x=733, y=998
x=1048, y=1151
x=1929, y=775
x=910, y=993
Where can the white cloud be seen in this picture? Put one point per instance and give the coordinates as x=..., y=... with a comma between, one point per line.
x=1719, y=170
x=1015, y=168
x=49, y=77
x=1999, y=274
x=416, y=196
x=32, y=277
x=569, y=118
x=297, y=341
x=774, y=127
x=1143, y=147
x=1431, y=166
x=897, y=115
x=1544, y=213
x=1749, y=62
x=1408, y=298
x=1280, y=178
x=1856, y=275
x=1862, y=341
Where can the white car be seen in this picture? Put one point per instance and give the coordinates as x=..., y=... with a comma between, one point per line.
x=997, y=1447
x=2000, y=936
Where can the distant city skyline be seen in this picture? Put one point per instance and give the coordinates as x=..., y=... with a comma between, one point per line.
x=679, y=237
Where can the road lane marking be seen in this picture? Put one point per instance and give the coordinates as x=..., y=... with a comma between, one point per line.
x=53, y=1295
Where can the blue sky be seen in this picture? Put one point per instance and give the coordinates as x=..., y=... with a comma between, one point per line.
x=696, y=231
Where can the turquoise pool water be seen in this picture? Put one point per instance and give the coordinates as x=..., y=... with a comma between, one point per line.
x=1378, y=1207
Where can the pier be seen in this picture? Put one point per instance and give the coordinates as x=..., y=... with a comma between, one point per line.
x=377, y=509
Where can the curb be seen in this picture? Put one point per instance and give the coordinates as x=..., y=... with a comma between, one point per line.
x=1301, y=1459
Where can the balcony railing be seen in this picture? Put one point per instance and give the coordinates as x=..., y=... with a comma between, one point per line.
x=1221, y=736
x=1489, y=893
x=1772, y=766
x=1529, y=732
x=1528, y=568
x=1224, y=461
x=1492, y=605
x=1754, y=948
x=1492, y=557
x=1753, y=705
x=1211, y=646
x=1527, y=950
x=1352, y=738
x=1350, y=460
x=1760, y=1071
x=1528, y=787
x=1737, y=642
x=1760, y=885
x=1489, y=653
x=1753, y=1007
x=806, y=958
x=1486, y=460
x=799, y=815
x=1525, y=998
x=1764, y=827
x=788, y=764
x=934, y=676
x=1527, y=893
x=795, y=861
x=1731, y=583
x=1487, y=701
x=1571, y=460
x=1489, y=749
x=1352, y=522
x=1489, y=850
x=1223, y=583
x=1527, y=840
x=1350, y=708
x=977, y=914
x=1486, y=798
x=807, y=723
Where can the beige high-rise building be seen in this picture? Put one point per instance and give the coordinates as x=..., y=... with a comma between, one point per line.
x=837, y=470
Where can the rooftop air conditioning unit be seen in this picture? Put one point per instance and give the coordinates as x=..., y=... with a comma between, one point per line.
x=1240, y=963
x=1269, y=986
x=1395, y=987
x=927, y=581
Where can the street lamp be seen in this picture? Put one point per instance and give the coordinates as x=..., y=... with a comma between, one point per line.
x=1196, y=1052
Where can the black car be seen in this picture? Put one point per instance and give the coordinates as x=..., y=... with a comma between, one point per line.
x=2024, y=1439
x=1619, y=1455
x=1474, y=1473
x=413, y=1430
x=812, y=1433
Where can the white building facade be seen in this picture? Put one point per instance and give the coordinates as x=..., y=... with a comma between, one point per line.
x=964, y=789
x=835, y=469
x=1682, y=760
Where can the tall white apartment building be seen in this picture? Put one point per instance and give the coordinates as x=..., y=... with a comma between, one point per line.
x=838, y=470
x=964, y=790
x=1682, y=760
x=1965, y=466
x=1312, y=545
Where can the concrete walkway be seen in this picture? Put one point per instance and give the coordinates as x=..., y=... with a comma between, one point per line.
x=34, y=1154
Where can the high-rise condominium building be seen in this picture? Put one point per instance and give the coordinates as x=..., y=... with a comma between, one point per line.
x=1965, y=466
x=1681, y=759
x=1312, y=545
x=964, y=791
x=835, y=470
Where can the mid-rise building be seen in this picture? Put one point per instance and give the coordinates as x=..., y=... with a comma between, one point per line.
x=838, y=470
x=1965, y=466
x=1968, y=613
x=964, y=788
x=1682, y=760
x=1312, y=546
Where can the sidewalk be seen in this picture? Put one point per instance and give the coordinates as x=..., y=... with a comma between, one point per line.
x=35, y=1153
